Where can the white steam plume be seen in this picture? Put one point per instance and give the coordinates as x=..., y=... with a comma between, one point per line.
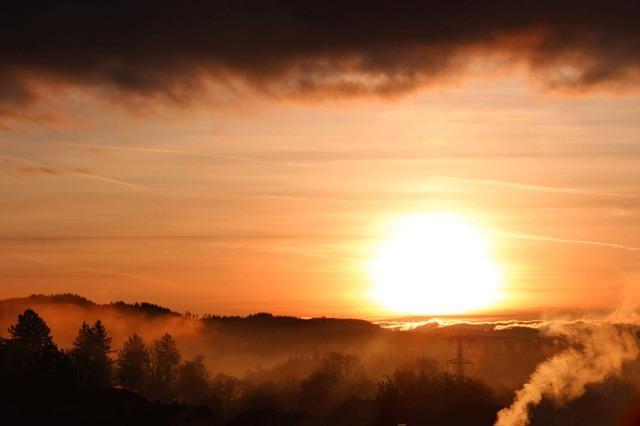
x=595, y=352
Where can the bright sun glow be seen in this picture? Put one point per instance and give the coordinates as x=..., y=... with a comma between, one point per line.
x=436, y=263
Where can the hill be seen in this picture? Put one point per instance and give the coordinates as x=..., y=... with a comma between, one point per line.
x=236, y=344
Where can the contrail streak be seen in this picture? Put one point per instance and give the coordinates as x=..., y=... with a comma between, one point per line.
x=159, y=151
x=534, y=237
x=110, y=180
x=242, y=158
x=42, y=169
x=530, y=187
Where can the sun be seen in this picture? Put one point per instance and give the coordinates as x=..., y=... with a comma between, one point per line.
x=437, y=263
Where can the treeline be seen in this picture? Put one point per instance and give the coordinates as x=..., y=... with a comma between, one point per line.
x=329, y=389
x=156, y=371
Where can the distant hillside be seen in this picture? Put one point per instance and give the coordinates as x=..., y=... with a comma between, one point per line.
x=83, y=302
x=260, y=321
x=261, y=334
x=236, y=344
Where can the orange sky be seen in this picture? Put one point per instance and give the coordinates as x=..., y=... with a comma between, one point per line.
x=273, y=205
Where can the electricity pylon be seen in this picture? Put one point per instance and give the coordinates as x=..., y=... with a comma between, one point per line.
x=459, y=363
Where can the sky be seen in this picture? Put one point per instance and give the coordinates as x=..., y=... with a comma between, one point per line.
x=252, y=158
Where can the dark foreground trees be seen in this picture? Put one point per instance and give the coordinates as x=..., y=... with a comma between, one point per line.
x=29, y=356
x=417, y=396
x=40, y=383
x=33, y=371
x=163, y=366
x=338, y=378
x=32, y=335
x=132, y=365
x=192, y=386
x=151, y=383
x=90, y=355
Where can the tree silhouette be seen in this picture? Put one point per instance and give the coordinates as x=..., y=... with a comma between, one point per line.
x=90, y=354
x=32, y=334
x=32, y=369
x=133, y=364
x=30, y=351
x=225, y=393
x=420, y=395
x=338, y=378
x=193, y=381
x=164, y=362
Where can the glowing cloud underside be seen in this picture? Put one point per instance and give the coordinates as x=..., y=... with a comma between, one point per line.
x=435, y=264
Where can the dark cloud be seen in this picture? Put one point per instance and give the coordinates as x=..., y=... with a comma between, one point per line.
x=168, y=49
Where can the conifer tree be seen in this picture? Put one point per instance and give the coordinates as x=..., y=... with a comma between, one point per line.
x=32, y=334
x=90, y=354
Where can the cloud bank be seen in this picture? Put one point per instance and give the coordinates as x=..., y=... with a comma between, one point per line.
x=172, y=50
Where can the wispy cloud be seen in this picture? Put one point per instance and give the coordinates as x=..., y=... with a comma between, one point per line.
x=33, y=168
x=86, y=271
